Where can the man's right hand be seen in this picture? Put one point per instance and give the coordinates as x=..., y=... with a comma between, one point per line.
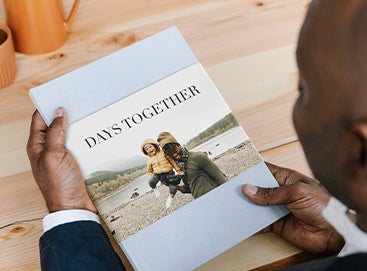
x=305, y=226
x=54, y=168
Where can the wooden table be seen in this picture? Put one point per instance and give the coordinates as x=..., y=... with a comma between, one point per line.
x=247, y=47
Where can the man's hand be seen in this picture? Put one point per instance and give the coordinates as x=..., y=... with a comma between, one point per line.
x=305, y=226
x=54, y=168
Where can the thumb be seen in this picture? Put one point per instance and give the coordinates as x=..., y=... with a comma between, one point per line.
x=265, y=196
x=56, y=133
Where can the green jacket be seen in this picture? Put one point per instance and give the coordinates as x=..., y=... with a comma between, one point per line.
x=202, y=174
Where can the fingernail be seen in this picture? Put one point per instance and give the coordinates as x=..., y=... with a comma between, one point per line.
x=251, y=189
x=59, y=112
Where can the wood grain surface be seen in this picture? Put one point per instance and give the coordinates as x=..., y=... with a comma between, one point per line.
x=247, y=47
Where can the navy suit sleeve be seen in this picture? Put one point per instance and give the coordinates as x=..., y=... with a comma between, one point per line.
x=81, y=245
x=354, y=262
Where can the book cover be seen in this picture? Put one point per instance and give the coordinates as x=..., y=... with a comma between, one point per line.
x=208, y=213
x=83, y=91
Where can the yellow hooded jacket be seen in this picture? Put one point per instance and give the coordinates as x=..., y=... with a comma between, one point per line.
x=159, y=163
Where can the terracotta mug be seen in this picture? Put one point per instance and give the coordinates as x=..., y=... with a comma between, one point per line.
x=7, y=57
x=38, y=26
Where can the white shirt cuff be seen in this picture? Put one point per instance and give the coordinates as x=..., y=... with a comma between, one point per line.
x=355, y=239
x=66, y=216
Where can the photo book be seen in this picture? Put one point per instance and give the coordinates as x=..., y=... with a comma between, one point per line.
x=162, y=155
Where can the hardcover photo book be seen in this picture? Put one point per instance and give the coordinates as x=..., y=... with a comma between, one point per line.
x=163, y=157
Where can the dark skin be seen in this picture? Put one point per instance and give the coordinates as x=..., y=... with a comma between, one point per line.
x=330, y=118
x=330, y=114
x=305, y=226
x=55, y=170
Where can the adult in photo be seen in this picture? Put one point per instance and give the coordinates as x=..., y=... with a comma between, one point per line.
x=201, y=173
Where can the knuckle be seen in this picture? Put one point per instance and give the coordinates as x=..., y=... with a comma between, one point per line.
x=31, y=149
x=299, y=188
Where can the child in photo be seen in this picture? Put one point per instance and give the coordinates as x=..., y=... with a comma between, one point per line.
x=160, y=168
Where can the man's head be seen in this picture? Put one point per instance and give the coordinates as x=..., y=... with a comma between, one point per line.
x=169, y=145
x=330, y=114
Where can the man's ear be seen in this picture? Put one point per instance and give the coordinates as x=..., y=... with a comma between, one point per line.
x=360, y=130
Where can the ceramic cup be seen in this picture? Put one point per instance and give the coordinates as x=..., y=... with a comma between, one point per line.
x=38, y=26
x=7, y=57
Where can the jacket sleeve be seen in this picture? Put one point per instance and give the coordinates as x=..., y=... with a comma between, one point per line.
x=173, y=163
x=81, y=245
x=355, y=262
x=149, y=167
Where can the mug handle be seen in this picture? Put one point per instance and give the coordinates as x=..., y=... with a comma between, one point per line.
x=70, y=19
